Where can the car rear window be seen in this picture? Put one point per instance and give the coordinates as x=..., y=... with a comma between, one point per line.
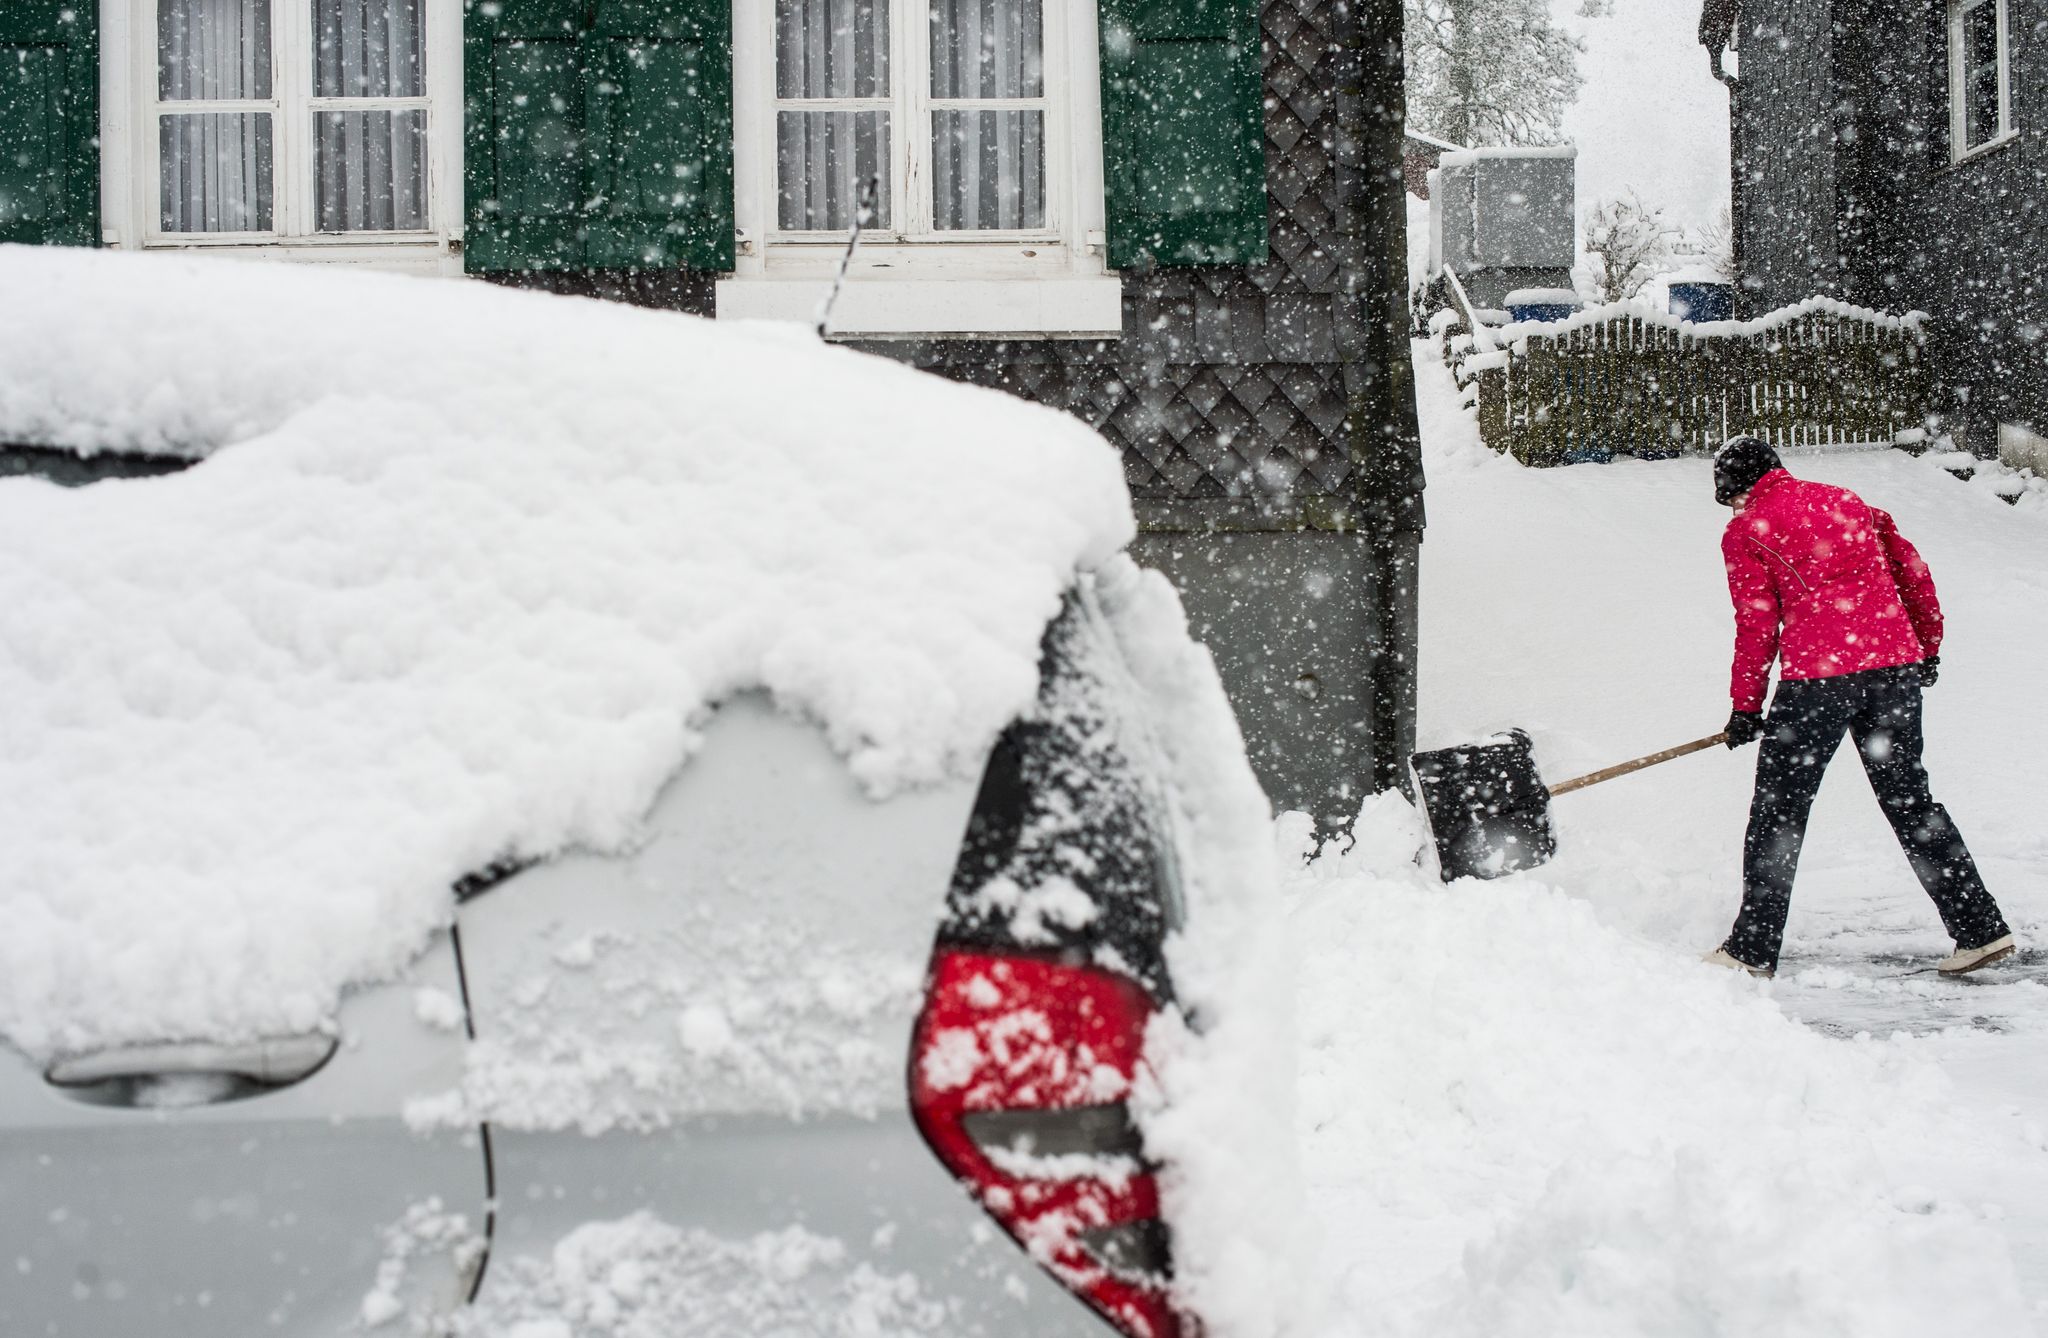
x=1066, y=852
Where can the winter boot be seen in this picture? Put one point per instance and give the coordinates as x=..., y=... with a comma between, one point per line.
x=1965, y=960
x=1722, y=957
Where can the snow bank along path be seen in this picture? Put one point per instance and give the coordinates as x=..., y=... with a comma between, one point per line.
x=469, y=566
x=1524, y=1121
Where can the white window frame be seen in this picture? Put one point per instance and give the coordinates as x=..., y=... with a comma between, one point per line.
x=911, y=281
x=131, y=149
x=1958, y=95
x=910, y=106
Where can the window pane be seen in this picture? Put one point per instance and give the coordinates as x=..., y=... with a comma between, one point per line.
x=216, y=172
x=368, y=49
x=988, y=48
x=212, y=49
x=1980, y=113
x=1980, y=35
x=1980, y=74
x=831, y=48
x=822, y=157
x=370, y=170
x=988, y=169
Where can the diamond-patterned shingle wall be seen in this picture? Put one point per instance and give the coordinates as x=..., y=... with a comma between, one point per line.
x=1226, y=383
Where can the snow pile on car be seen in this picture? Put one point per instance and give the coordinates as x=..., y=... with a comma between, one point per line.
x=461, y=571
x=1526, y=1121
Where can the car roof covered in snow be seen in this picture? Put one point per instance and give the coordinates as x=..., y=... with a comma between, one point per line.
x=462, y=570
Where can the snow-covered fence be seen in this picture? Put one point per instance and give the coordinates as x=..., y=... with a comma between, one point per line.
x=1475, y=355
x=1627, y=379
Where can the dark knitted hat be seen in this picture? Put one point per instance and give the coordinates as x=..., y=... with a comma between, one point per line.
x=1740, y=463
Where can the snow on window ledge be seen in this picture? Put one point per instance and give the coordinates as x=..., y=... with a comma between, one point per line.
x=1075, y=306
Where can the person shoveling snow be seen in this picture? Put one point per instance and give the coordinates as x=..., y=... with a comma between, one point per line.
x=1825, y=584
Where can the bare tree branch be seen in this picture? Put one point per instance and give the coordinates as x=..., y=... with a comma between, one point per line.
x=1489, y=71
x=1627, y=243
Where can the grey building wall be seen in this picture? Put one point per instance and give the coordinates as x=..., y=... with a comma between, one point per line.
x=1303, y=699
x=1849, y=190
x=1967, y=242
x=1787, y=170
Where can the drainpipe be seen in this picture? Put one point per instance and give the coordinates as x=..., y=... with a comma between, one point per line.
x=1720, y=24
x=1379, y=378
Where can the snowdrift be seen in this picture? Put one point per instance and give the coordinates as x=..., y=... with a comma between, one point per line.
x=1525, y=1121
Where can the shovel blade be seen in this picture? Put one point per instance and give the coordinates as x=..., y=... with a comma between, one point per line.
x=1487, y=807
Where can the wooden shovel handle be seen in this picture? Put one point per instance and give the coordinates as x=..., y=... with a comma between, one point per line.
x=1622, y=769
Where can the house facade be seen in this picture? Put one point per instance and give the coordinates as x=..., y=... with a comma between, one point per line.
x=1894, y=153
x=1181, y=220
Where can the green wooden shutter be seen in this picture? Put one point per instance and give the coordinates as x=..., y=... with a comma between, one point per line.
x=598, y=135
x=1183, y=143
x=49, y=122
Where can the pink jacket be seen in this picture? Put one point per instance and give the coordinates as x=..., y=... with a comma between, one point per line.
x=1832, y=572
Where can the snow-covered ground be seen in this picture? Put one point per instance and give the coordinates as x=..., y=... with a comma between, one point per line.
x=1527, y=1108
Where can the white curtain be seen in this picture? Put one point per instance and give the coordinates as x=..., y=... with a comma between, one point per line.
x=836, y=49
x=368, y=49
x=369, y=159
x=212, y=50
x=832, y=49
x=370, y=163
x=217, y=166
x=988, y=170
x=988, y=167
x=988, y=48
x=825, y=156
x=372, y=170
x=217, y=172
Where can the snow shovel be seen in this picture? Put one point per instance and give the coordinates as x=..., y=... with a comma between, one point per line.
x=1490, y=811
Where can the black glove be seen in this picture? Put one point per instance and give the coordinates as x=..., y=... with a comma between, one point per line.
x=1745, y=727
x=1930, y=669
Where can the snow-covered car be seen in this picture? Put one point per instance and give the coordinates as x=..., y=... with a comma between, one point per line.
x=572, y=820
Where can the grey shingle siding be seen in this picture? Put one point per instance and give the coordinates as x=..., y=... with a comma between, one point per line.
x=1789, y=167
x=1850, y=190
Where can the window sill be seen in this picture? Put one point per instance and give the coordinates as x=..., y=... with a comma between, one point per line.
x=1986, y=149
x=408, y=253
x=1063, y=306
x=319, y=241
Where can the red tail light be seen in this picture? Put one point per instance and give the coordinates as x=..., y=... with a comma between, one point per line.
x=1019, y=1075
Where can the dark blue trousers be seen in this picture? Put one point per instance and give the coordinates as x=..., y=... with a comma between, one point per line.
x=1880, y=710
